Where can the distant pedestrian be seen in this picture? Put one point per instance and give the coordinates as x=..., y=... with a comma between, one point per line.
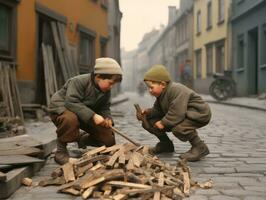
x=177, y=109
x=84, y=103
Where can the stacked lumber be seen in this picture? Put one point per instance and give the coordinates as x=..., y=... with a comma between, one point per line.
x=123, y=171
x=9, y=95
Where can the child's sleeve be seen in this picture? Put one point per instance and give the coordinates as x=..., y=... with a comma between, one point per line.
x=105, y=107
x=73, y=101
x=177, y=110
x=155, y=111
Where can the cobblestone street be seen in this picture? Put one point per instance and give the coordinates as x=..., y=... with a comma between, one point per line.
x=237, y=163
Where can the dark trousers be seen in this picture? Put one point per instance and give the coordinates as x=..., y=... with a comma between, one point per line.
x=68, y=130
x=184, y=131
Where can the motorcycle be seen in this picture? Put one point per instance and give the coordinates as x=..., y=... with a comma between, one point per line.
x=223, y=86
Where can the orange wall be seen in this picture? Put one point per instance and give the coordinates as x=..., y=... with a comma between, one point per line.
x=85, y=12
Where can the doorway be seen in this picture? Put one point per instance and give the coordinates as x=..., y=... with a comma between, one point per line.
x=252, y=73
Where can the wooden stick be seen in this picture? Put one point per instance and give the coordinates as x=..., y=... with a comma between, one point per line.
x=124, y=136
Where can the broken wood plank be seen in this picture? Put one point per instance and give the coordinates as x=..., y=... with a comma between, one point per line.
x=71, y=191
x=112, y=160
x=186, y=183
x=88, y=192
x=2, y=176
x=112, y=148
x=92, y=183
x=129, y=184
x=157, y=195
x=95, y=151
x=68, y=171
x=52, y=181
x=18, y=160
x=26, y=181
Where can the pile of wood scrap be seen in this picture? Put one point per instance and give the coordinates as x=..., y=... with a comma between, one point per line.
x=123, y=171
x=9, y=95
x=19, y=158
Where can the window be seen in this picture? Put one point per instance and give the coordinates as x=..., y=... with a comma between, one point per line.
x=240, y=52
x=220, y=11
x=198, y=22
x=220, y=58
x=7, y=30
x=86, y=50
x=198, y=63
x=209, y=15
x=209, y=58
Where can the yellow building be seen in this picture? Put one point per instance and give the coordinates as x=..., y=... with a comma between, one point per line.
x=210, y=40
x=26, y=24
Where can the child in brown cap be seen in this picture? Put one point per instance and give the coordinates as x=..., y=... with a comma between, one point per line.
x=177, y=109
x=84, y=103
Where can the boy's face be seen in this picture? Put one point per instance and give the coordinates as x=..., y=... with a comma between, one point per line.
x=105, y=85
x=155, y=88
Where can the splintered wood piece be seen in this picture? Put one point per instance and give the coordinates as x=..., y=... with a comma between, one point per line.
x=129, y=147
x=97, y=166
x=119, y=197
x=56, y=181
x=71, y=191
x=112, y=148
x=26, y=181
x=87, y=193
x=81, y=170
x=97, y=194
x=57, y=172
x=112, y=160
x=91, y=160
x=137, y=159
x=68, y=171
x=186, y=183
x=157, y=195
x=95, y=151
x=129, y=184
x=145, y=149
x=122, y=157
x=130, y=164
x=92, y=183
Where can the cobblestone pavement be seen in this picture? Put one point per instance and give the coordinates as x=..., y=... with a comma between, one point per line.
x=237, y=163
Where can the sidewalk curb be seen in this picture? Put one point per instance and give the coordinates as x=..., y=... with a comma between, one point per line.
x=236, y=105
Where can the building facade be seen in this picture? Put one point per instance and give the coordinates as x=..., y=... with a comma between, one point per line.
x=114, y=27
x=249, y=46
x=211, y=38
x=26, y=25
x=184, y=38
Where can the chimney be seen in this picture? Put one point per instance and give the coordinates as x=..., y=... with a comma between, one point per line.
x=172, y=13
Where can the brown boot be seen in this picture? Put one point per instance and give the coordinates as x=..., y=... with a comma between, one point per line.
x=83, y=140
x=163, y=147
x=61, y=154
x=196, y=152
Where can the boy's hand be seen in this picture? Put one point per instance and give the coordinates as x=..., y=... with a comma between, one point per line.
x=107, y=123
x=159, y=125
x=98, y=119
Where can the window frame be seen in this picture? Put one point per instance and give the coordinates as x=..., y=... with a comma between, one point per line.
x=218, y=46
x=209, y=15
x=89, y=35
x=103, y=46
x=221, y=12
x=209, y=69
x=9, y=54
x=198, y=54
x=198, y=24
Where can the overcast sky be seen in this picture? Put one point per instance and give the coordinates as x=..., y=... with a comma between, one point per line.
x=141, y=16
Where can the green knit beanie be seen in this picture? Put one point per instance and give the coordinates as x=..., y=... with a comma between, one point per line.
x=157, y=73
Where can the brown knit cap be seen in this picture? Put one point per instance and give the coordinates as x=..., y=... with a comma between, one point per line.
x=157, y=73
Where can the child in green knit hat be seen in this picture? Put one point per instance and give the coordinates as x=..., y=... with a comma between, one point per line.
x=177, y=109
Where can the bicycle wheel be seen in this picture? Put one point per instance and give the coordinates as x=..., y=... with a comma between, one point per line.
x=220, y=89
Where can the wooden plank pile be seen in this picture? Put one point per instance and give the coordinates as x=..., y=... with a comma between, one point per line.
x=19, y=158
x=65, y=58
x=123, y=171
x=9, y=95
